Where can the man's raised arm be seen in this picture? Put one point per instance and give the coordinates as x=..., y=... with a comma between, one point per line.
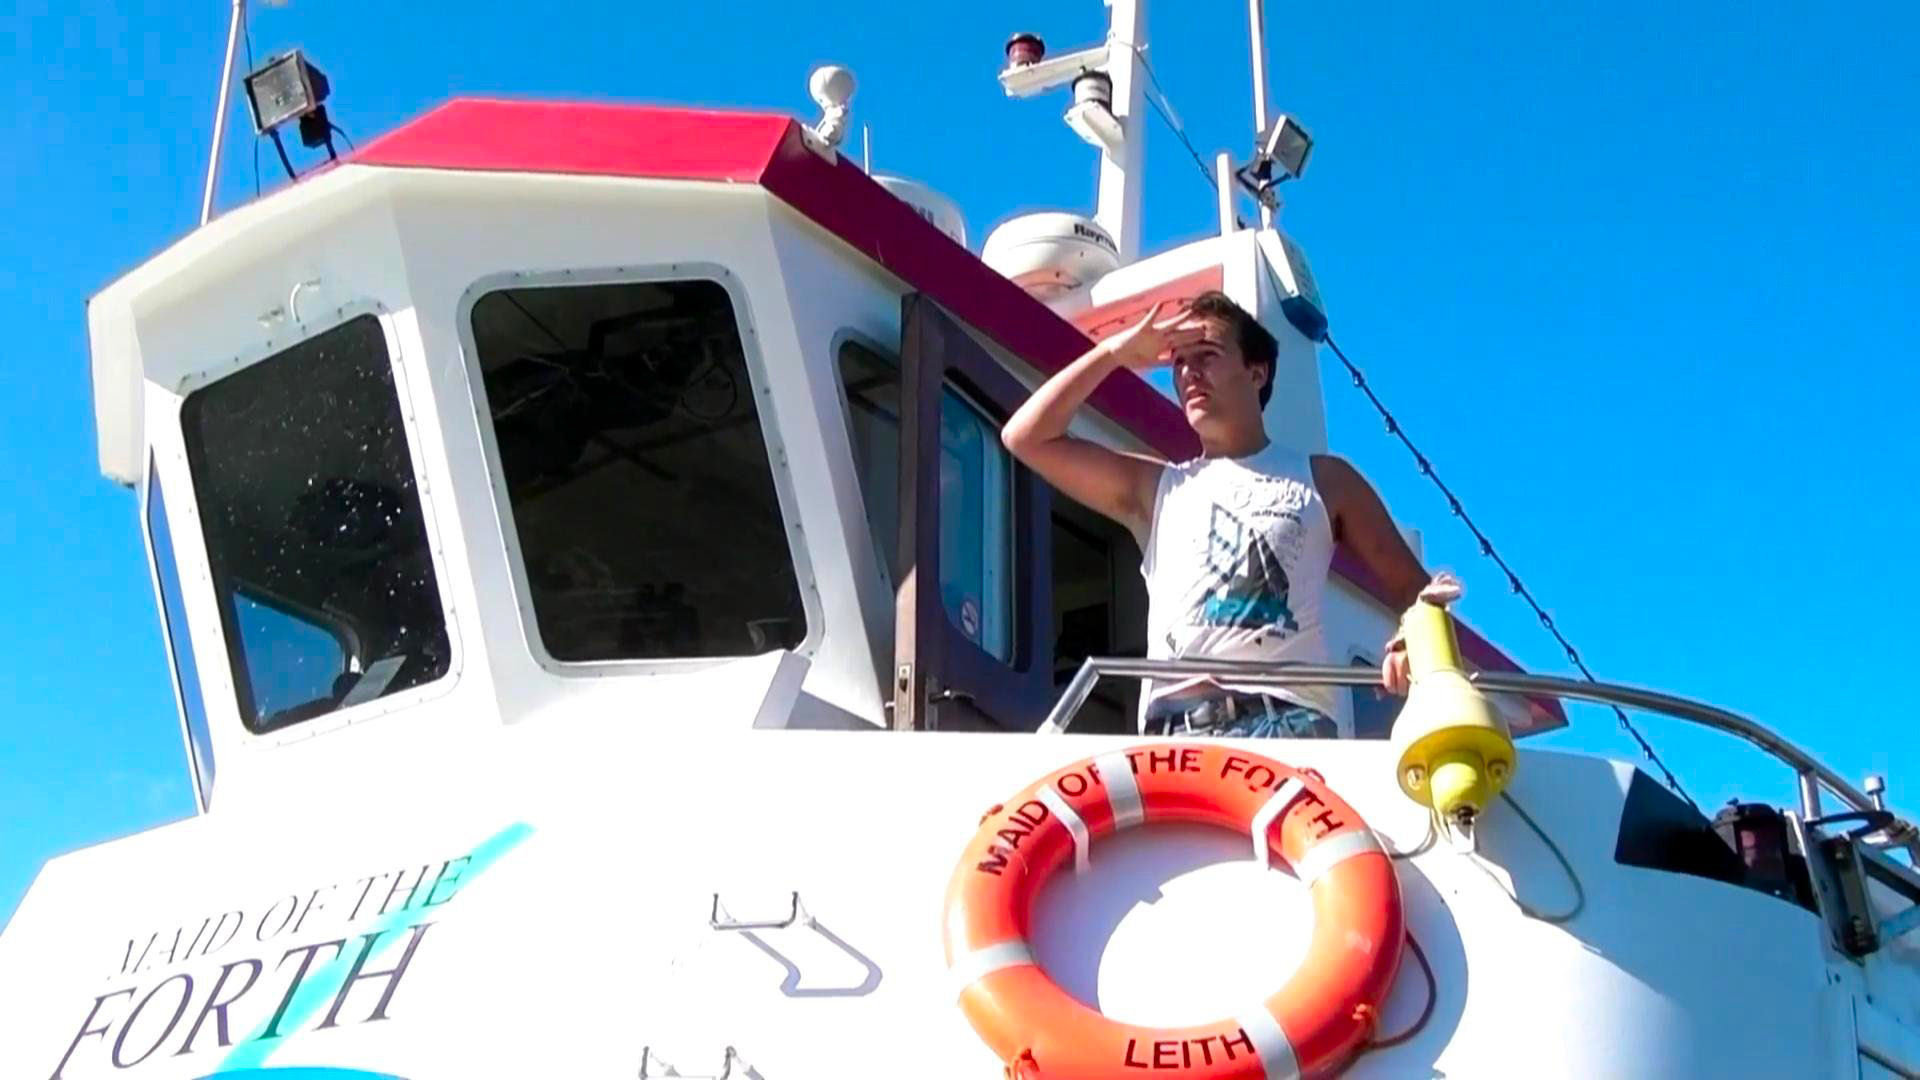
x=1120, y=486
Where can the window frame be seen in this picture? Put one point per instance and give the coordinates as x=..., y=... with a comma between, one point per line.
x=202, y=590
x=766, y=411
x=201, y=774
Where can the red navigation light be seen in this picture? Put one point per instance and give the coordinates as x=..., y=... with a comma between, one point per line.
x=1024, y=48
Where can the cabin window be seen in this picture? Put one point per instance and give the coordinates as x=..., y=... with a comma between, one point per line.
x=1099, y=609
x=173, y=623
x=1374, y=707
x=976, y=544
x=315, y=535
x=639, y=487
x=872, y=382
x=976, y=493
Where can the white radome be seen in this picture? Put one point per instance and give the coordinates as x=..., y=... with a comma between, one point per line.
x=1050, y=254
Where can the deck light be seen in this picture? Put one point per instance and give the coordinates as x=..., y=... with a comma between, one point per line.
x=287, y=88
x=1284, y=146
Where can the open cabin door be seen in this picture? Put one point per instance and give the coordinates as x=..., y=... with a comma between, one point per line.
x=972, y=639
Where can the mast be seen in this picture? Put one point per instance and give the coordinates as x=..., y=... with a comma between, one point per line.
x=1257, y=25
x=220, y=110
x=1118, y=209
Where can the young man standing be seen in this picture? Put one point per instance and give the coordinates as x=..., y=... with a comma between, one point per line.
x=1236, y=543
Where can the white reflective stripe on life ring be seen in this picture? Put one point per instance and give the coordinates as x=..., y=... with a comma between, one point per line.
x=1332, y=851
x=1123, y=792
x=1271, y=1043
x=1056, y=803
x=982, y=962
x=1283, y=797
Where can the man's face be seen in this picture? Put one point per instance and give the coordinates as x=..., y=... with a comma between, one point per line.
x=1214, y=380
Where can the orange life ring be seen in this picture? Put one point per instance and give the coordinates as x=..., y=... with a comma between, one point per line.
x=1313, y=1025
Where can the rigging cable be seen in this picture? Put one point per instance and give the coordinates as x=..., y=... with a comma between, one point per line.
x=247, y=25
x=1164, y=106
x=1487, y=550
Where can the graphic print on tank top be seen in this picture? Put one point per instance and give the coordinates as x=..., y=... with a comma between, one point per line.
x=1236, y=567
x=1250, y=587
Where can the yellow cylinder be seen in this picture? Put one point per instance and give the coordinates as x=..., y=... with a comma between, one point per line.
x=1455, y=753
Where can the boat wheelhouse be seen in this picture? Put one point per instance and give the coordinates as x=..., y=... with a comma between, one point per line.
x=601, y=610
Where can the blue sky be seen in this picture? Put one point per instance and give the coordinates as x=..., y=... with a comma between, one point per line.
x=1635, y=276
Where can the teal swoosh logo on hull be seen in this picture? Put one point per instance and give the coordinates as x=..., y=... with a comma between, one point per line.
x=247, y=1058
x=302, y=1072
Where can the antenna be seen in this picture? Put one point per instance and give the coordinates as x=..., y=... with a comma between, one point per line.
x=1108, y=96
x=831, y=87
x=1118, y=210
x=1257, y=20
x=220, y=110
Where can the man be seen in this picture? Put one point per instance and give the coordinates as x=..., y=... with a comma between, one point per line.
x=1236, y=544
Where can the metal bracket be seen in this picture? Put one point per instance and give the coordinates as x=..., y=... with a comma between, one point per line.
x=726, y=1066
x=1855, y=931
x=795, y=914
x=1896, y=925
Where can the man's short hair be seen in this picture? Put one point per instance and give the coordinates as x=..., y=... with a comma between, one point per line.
x=1257, y=346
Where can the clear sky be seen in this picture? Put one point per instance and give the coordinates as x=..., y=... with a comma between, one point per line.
x=1637, y=276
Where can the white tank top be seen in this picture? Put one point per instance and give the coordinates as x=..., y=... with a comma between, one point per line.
x=1236, y=563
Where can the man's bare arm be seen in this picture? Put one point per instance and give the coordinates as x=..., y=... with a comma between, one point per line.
x=1361, y=521
x=1119, y=486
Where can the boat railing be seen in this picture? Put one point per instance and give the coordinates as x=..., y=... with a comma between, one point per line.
x=1813, y=776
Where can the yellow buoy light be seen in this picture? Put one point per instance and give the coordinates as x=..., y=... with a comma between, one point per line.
x=1454, y=750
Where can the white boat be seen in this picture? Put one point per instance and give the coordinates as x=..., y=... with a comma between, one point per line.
x=601, y=612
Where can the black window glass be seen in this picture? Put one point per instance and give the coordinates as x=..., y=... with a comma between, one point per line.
x=1374, y=708
x=1099, y=609
x=637, y=471
x=314, y=529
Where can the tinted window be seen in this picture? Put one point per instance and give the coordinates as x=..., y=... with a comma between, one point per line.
x=637, y=472
x=976, y=540
x=314, y=529
x=976, y=490
x=173, y=614
x=296, y=659
x=873, y=410
x=1099, y=609
x=1374, y=708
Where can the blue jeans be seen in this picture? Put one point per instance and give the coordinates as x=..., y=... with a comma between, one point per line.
x=1240, y=715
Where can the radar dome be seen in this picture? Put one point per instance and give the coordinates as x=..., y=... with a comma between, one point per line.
x=943, y=213
x=1051, y=254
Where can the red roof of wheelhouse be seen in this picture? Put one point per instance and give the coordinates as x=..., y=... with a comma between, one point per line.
x=769, y=150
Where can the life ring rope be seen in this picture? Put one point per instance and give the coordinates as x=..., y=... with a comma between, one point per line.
x=1314, y=1023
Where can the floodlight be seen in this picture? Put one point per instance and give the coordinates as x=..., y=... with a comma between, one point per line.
x=287, y=88
x=1287, y=145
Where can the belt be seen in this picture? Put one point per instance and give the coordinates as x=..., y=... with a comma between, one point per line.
x=1212, y=712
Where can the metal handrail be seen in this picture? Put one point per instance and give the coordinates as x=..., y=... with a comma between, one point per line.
x=1812, y=774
